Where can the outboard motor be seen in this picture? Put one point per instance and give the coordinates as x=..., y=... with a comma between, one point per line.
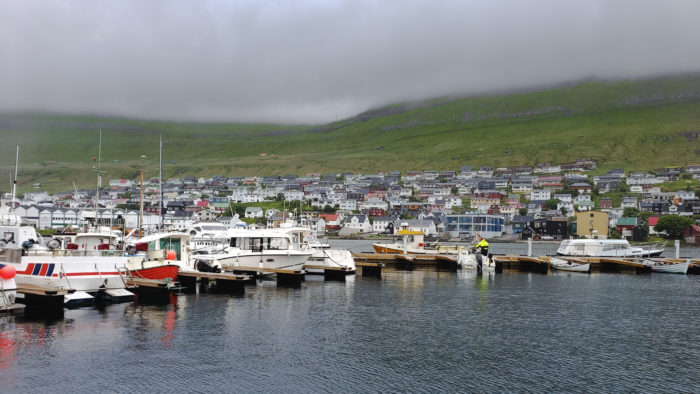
x=479, y=263
x=205, y=266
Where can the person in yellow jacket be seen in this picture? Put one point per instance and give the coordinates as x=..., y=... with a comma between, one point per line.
x=484, y=247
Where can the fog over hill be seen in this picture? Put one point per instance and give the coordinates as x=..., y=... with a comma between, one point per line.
x=316, y=61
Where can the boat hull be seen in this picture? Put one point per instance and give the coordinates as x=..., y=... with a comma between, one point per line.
x=160, y=271
x=672, y=268
x=268, y=260
x=570, y=266
x=81, y=273
x=329, y=259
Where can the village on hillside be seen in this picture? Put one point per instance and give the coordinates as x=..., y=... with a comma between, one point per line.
x=547, y=202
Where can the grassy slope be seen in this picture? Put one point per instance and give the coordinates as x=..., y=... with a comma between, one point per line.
x=635, y=124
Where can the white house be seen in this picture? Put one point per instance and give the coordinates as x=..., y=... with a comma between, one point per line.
x=358, y=222
x=581, y=198
x=380, y=223
x=293, y=195
x=253, y=212
x=348, y=205
x=563, y=197
x=540, y=194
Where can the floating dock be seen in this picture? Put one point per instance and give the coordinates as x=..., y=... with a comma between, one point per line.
x=440, y=260
x=515, y=262
x=47, y=300
x=154, y=288
x=370, y=268
x=225, y=282
x=330, y=273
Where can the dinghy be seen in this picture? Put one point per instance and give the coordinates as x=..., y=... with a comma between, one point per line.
x=569, y=265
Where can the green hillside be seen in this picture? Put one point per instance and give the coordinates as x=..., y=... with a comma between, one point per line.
x=639, y=124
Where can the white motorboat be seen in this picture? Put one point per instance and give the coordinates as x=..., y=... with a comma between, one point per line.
x=468, y=260
x=265, y=251
x=604, y=248
x=207, y=237
x=323, y=256
x=667, y=267
x=569, y=265
x=90, y=268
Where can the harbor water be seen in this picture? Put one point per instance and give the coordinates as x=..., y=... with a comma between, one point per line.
x=423, y=330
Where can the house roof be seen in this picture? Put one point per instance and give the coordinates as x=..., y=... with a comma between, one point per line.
x=653, y=220
x=627, y=221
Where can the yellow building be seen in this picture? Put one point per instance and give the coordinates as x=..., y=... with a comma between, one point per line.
x=592, y=224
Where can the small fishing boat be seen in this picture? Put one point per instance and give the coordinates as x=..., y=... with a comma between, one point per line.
x=159, y=256
x=569, y=265
x=413, y=243
x=667, y=267
x=323, y=256
x=469, y=260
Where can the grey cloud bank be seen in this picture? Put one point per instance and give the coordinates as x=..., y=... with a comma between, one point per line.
x=313, y=61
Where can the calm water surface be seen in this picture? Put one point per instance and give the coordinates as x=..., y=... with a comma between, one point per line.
x=416, y=331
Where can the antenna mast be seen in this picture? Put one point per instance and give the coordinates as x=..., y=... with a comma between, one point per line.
x=14, y=182
x=160, y=176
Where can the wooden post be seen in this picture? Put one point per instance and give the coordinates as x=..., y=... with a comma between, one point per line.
x=677, y=245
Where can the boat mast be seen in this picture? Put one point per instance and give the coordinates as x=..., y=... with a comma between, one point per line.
x=14, y=182
x=99, y=177
x=160, y=176
x=141, y=196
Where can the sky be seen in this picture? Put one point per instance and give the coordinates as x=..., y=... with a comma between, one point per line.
x=313, y=62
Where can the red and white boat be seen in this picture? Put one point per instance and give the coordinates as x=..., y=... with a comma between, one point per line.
x=159, y=256
x=89, y=264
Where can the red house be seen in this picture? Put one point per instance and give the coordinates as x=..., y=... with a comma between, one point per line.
x=376, y=212
x=692, y=234
x=331, y=219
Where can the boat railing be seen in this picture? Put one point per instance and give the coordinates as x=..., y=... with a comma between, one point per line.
x=74, y=252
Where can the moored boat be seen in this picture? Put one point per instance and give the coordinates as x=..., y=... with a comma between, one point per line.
x=414, y=243
x=470, y=260
x=668, y=267
x=604, y=248
x=323, y=257
x=569, y=265
x=258, y=250
x=159, y=256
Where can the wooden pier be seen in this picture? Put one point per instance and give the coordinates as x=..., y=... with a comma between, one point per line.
x=153, y=288
x=330, y=273
x=45, y=300
x=224, y=282
x=370, y=268
x=284, y=276
x=448, y=261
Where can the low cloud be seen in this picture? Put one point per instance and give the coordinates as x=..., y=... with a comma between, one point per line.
x=315, y=61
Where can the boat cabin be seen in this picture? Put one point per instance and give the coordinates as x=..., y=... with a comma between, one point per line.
x=259, y=240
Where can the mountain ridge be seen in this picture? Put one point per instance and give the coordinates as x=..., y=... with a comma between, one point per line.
x=638, y=124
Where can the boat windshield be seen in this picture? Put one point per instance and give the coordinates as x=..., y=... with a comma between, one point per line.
x=261, y=243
